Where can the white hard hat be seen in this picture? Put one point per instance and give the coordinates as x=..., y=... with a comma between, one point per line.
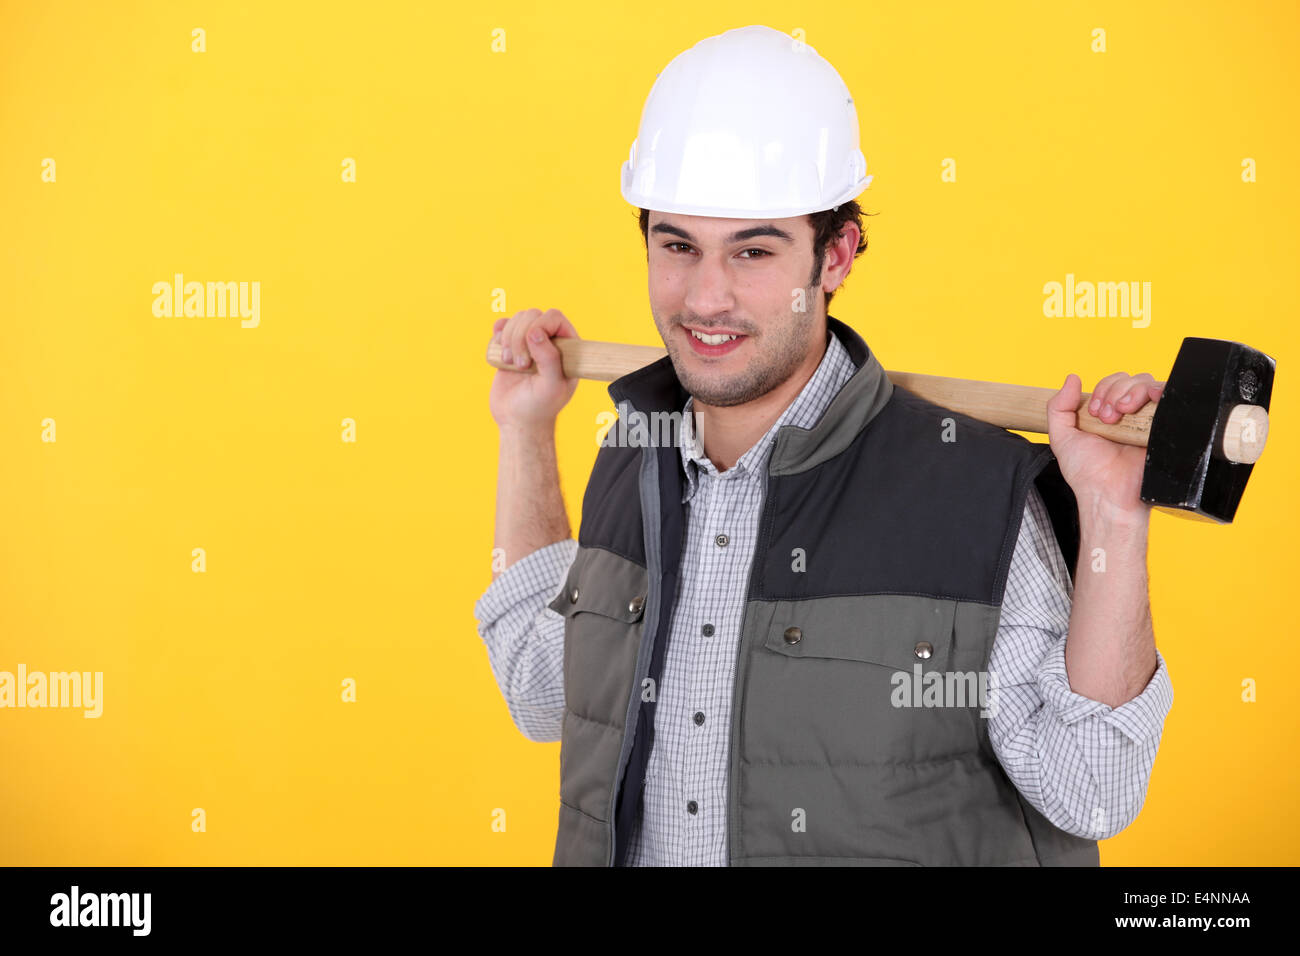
x=748, y=124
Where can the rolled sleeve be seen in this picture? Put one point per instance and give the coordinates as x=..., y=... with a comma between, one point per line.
x=1140, y=720
x=525, y=638
x=1081, y=763
x=539, y=574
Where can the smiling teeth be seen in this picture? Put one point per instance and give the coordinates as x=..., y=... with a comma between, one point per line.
x=713, y=339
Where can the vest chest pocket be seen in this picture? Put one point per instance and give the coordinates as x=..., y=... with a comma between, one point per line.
x=891, y=630
x=603, y=604
x=853, y=678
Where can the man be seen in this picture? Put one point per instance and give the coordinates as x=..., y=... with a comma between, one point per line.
x=750, y=654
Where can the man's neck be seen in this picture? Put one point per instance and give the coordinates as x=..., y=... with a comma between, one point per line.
x=728, y=432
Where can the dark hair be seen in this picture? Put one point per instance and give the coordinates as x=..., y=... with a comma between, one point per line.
x=826, y=225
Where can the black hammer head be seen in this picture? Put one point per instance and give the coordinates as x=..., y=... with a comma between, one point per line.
x=1186, y=471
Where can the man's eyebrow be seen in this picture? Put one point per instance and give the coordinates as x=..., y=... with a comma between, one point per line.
x=751, y=233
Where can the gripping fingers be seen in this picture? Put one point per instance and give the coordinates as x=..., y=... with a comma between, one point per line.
x=544, y=353
x=526, y=338
x=514, y=351
x=1120, y=394
x=1136, y=393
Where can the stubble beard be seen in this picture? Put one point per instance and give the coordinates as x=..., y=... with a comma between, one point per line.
x=783, y=350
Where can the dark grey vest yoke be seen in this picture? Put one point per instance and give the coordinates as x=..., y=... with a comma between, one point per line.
x=879, y=543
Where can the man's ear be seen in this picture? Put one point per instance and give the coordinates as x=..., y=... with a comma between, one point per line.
x=842, y=247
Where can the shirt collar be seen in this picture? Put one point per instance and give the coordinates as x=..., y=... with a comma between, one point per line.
x=835, y=368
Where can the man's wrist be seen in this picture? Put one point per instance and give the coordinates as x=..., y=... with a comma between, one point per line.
x=1101, y=516
x=527, y=431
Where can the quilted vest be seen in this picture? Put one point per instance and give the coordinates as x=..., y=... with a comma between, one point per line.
x=885, y=539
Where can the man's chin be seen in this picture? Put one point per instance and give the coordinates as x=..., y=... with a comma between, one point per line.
x=706, y=385
x=711, y=396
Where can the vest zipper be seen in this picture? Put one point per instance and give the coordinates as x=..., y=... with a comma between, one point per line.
x=649, y=627
x=737, y=689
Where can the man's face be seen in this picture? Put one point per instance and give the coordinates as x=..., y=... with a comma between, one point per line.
x=747, y=277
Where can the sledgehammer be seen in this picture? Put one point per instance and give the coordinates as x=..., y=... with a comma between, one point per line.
x=1202, y=437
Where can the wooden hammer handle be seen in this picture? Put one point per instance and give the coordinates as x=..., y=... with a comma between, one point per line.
x=1017, y=407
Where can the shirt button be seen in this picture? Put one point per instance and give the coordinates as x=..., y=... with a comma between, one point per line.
x=692, y=807
x=699, y=717
x=721, y=540
x=707, y=630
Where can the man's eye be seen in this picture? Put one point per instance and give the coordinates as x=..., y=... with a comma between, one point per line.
x=674, y=246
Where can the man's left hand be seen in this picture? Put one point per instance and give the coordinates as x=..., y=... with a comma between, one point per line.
x=1098, y=470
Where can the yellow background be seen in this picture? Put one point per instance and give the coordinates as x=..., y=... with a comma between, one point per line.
x=480, y=171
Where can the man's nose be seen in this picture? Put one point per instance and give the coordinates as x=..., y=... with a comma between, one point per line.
x=709, y=289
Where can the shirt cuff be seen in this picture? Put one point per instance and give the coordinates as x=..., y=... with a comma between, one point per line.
x=1140, y=719
x=540, y=573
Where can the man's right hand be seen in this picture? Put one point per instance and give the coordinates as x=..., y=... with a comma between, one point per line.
x=520, y=398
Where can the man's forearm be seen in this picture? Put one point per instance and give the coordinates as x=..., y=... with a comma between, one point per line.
x=1110, y=651
x=530, y=506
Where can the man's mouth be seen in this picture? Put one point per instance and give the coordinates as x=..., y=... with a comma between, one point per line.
x=715, y=338
x=713, y=342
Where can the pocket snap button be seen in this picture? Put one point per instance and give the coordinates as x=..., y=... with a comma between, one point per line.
x=793, y=635
x=924, y=649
